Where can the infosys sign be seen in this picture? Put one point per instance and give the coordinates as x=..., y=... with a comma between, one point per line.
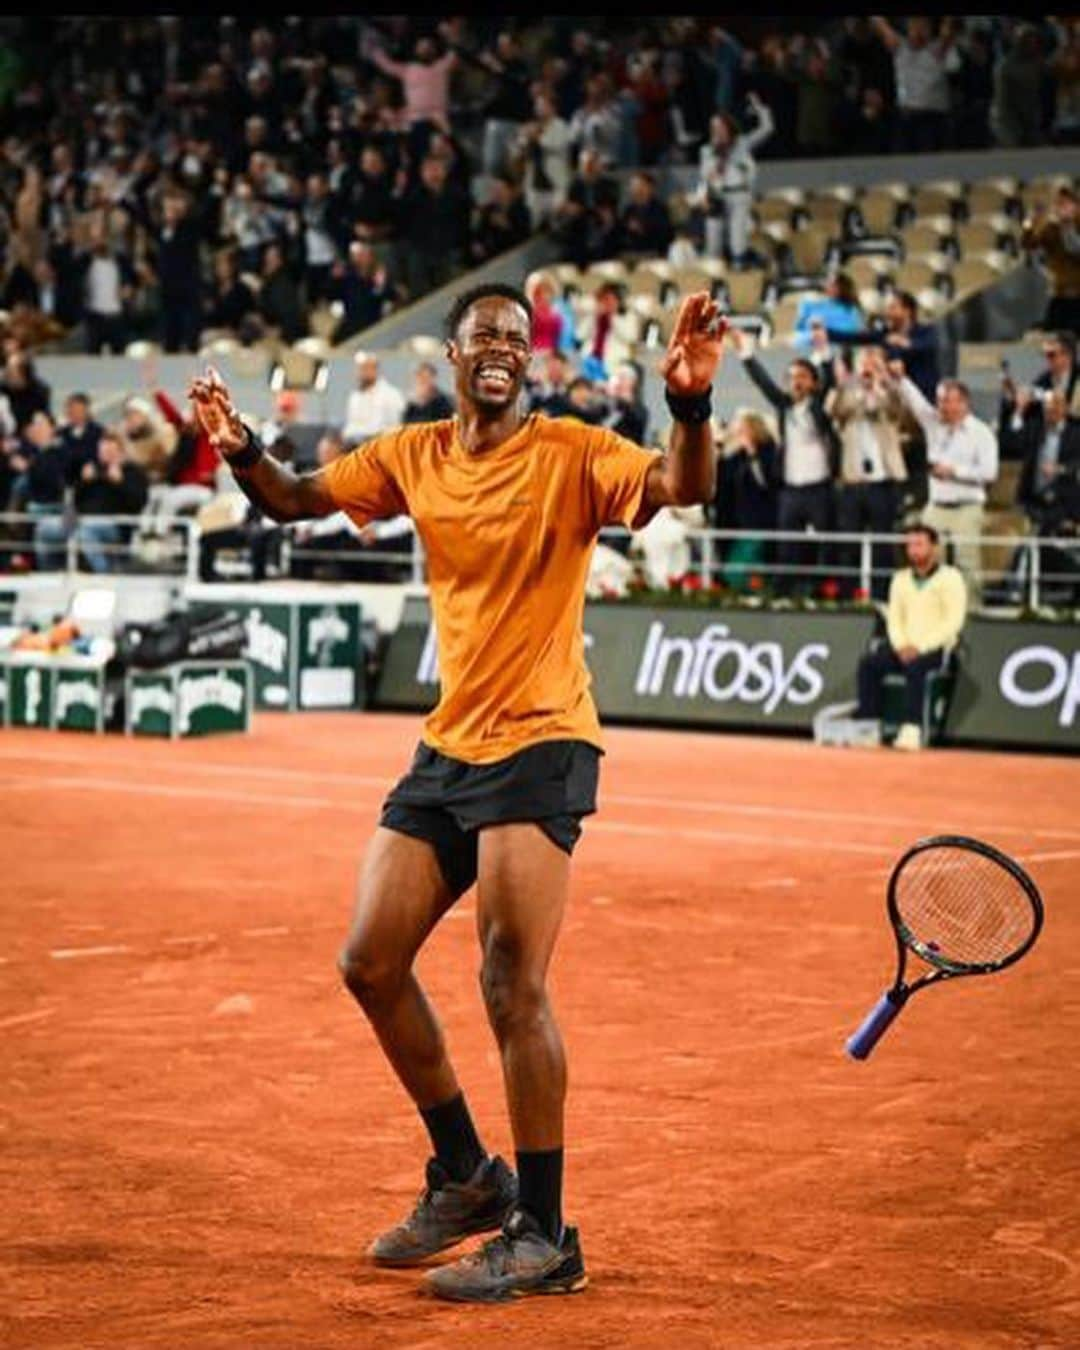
x=653, y=664
x=1019, y=684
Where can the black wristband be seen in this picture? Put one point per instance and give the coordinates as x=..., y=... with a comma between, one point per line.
x=691, y=408
x=249, y=456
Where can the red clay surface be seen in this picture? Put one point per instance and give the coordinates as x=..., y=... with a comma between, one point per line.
x=198, y=1136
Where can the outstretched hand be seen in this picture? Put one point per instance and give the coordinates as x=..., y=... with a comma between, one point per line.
x=215, y=414
x=696, y=346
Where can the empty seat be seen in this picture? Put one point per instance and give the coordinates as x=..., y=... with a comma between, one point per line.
x=140, y=350
x=688, y=279
x=927, y=235
x=867, y=270
x=567, y=274
x=942, y=198
x=972, y=274
x=784, y=313
x=423, y=345
x=774, y=208
x=611, y=270
x=808, y=249
x=917, y=274
x=644, y=281
x=746, y=290
x=978, y=236
x=989, y=197
x=829, y=213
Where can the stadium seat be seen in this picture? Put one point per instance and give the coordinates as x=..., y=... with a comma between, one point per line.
x=645, y=282
x=746, y=290
x=974, y=273
x=919, y=273
x=783, y=314
x=878, y=207
x=984, y=233
x=251, y=362
x=567, y=275
x=422, y=345
x=140, y=350
x=937, y=699
x=869, y=269
x=829, y=213
x=927, y=235
x=687, y=279
x=943, y=198
x=218, y=349
x=324, y=322
x=871, y=301
x=656, y=320
x=778, y=205
x=991, y=196
x=612, y=269
x=808, y=250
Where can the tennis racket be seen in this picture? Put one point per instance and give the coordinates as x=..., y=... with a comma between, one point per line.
x=964, y=908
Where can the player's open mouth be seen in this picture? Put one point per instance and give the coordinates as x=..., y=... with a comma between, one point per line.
x=499, y=377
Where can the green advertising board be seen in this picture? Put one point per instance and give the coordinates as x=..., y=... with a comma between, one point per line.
x=190, y=698
x=735, y=667
x=79, y=700
x=1019, y=684
x=305, y=653
x=3, y=695
x=29, y=699
x=64, y=694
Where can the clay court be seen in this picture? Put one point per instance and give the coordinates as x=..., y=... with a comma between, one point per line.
x=199, y=1135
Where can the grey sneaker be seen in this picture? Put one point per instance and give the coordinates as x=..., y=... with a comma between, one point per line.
x=521, y=1261
x=448, y=1211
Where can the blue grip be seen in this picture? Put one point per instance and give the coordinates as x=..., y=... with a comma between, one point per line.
x=874, y=1026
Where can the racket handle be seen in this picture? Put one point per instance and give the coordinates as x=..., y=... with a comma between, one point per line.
x=876, y=1023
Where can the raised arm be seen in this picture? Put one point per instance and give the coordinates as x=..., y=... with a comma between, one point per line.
x=766, y=124
x=268, y=484
x=686, y=474
x=757, y=372
x=885, y=31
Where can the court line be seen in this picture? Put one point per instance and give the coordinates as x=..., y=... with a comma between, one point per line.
x=385, y=781
x=21, y=1019
x=331, y=803
x=71, y=953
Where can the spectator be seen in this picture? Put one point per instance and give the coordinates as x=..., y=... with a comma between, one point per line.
x=626, y=413
x=606, y=335
x=868, y=414
x=79, y=433
x=363, y=287
x=192, y=468
x=1065, y=69
x=818, y=103
x=1049, y=447
x=1056, y=234
x=279, y=296
x=746, y=493
x=552, y=326
x=1016, y=111
x=374, y=405
x=728, y=174
x=502, y=223
x=868, y=129
x=1061, y=375
x=837, y=312
x=149, y=439
x=550, y=394
x=586, y=223
x=963, y=455
x=425, y=82
x=25, y=392
x=581, y=396
x=541, y=153
x=372, y=205
x=922, y=65
x=428, y=402
x=509, y=106
x=903, y=339
x=230, y=522
x=314, y=540
x=109, y=287
x=232, y=302
x=664, y=544
x=927, y=608
x=43, y=482
x=682, y=252
x=808, y=460
x=434, y=229
x=320, y=229
x=973, y=92
x=179, y=274
x=596, y=124
x=108, y=485
x=645, y=222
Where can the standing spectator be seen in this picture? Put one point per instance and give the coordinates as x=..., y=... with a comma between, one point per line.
x=904, y=339
x=626, y=413
x=279, y=296
x=607, y=335
x=1065, y=68
x=363, y=287
x=502, y=223
x=374, y=405
x=596, y=124
x=192, y=468
x=973, y=92
x=428, y=402
x=434, y=229
x=1049, y=446
x=108, y=485
x=79, y=433
x=962, y=453
x=232, y=302
x=1061, y=375
x=179, y=273
x=927, y=608
x=425, y=82
x=26, y=393
x=645, y=223
x=1056, y=234
x=868, y=414
x=728, y=175
x=837, y=312
x=372, y=207
x=541, y=153
x=552, y=326
x=509, y=106
x=809, y=453
x=109, y=286
x=590, y=210
x=818, y=103
x=746, y=492
x=320, y=248
x=922, y=65
x=44, y=481
x=868, y=128
x=1017, y=108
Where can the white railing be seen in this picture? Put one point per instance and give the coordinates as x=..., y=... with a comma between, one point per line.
x=1036, y=570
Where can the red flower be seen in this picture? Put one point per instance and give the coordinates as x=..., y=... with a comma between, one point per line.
x=829, y=589
x=675, y=583
x=756, y=583
x=691, y=582
x=861, y=593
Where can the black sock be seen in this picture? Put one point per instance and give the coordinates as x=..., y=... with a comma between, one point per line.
x=453, y=1137
x=540, y=1188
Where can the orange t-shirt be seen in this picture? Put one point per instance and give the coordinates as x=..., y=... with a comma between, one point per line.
x=509, y=534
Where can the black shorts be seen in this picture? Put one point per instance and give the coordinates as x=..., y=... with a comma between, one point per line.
x=447, y=801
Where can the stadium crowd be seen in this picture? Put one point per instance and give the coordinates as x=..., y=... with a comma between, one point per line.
x=161, y=177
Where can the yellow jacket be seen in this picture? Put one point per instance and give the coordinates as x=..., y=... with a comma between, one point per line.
x=926, y=613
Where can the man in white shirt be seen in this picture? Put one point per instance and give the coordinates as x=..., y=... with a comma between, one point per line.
x=374, y=405
x=962, y=453
x=923, y=65
x=107, y=288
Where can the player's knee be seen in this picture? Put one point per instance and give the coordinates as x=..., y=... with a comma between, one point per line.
x=513, y=994
x=367, y=974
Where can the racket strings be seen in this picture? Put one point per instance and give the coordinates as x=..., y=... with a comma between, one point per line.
x=962, y=907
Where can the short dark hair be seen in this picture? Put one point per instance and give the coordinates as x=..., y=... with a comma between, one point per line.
x=808, y=366
x=498, y=290
x=921, y=528
x=84, y=399
x=908, y=301
x=1063, y=339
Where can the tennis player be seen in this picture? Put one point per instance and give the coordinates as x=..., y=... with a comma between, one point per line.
x=508, y=507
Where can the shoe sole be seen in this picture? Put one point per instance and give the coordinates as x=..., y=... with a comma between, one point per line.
x=576, y=1285
x=418, y=1258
